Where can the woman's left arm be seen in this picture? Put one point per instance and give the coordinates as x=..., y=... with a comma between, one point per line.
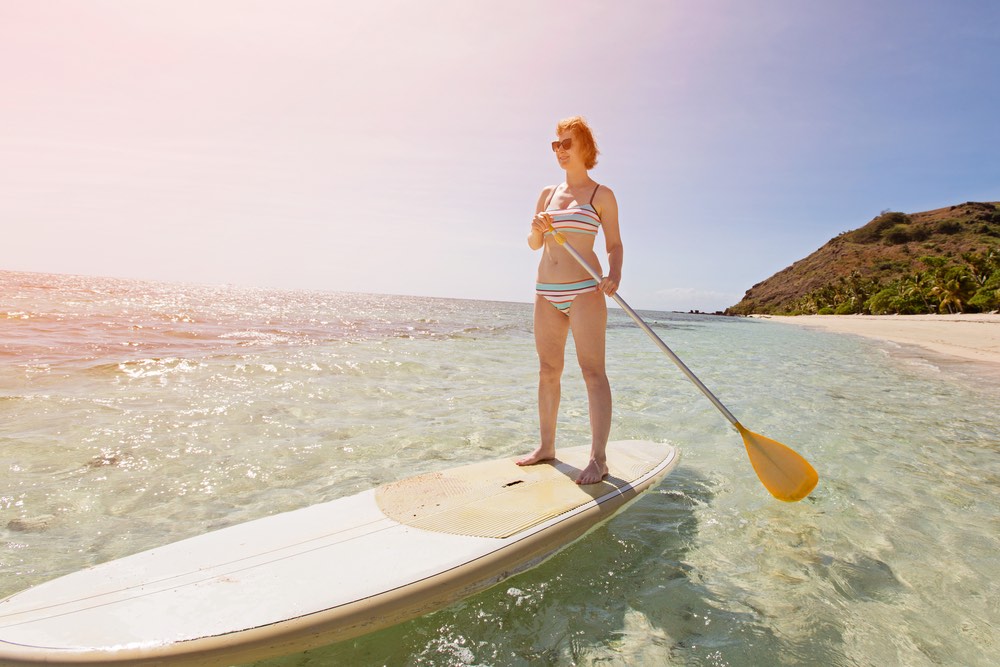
x=607, y=207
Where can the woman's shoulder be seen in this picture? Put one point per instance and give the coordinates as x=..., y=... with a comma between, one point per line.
x=604, y=193
x=545, y=197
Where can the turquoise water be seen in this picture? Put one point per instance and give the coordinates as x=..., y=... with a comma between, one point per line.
x=134, y=414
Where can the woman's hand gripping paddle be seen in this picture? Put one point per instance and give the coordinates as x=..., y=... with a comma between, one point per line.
x=781, y=470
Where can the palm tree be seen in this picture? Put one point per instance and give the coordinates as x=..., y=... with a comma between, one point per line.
x=955, y=286
x=982, y=265
x=917, y=286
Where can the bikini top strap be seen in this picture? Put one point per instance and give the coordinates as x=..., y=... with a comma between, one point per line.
x=594, y=194
x=551, y=195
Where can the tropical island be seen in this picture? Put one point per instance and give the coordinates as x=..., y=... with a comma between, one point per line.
x=940, y=269
x=941, y=261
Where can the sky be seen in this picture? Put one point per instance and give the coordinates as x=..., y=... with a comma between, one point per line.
x=399, y=147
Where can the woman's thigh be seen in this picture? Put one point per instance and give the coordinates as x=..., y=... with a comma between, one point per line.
x=551, y=329
x=589, y=321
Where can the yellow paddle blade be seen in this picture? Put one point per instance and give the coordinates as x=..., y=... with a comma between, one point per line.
x=786, y=475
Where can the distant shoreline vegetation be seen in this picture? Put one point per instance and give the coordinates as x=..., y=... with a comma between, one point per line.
x=942, y=261
x=944, y=287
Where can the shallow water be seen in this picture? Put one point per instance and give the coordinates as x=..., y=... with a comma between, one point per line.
x=134, y=414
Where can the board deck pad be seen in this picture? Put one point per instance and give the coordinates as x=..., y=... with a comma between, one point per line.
x=501, y=498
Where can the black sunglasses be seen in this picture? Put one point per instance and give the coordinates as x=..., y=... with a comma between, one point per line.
x=566, y=144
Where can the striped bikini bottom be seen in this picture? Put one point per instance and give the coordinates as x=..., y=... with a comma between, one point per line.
x=561, y=295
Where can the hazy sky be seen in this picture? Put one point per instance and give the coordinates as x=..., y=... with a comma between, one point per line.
x=399, y=147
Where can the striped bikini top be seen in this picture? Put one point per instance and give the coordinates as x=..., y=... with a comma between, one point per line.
x=579, y=219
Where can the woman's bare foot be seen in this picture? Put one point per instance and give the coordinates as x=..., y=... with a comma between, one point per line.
x=595, y=472
x=537, y=456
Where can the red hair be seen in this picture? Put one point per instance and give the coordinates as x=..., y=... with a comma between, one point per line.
x=582, y=134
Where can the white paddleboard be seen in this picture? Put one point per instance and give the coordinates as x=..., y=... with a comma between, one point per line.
x=325, y=573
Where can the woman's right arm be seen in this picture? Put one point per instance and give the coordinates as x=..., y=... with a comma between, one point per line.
x=540, y=223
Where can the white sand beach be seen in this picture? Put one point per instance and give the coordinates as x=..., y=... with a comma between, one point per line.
x=974, y=337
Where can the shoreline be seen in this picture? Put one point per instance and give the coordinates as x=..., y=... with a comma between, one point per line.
x=961, y=338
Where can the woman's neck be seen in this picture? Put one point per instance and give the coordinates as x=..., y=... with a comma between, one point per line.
x=577, y=177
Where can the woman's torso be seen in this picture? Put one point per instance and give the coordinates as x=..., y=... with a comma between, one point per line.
x=576, y=218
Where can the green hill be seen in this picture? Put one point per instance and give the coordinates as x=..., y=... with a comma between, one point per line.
x=945, y=260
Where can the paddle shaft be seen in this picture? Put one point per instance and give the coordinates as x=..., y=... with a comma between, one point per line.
x=649, y=332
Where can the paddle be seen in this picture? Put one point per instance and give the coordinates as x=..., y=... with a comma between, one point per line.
x=781, y=470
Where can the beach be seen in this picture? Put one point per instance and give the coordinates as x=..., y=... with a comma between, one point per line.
x=972, y=337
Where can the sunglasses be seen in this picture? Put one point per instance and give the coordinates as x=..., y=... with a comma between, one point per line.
x=565, y=144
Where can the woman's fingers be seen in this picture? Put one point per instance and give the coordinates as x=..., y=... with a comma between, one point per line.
x=541, y=222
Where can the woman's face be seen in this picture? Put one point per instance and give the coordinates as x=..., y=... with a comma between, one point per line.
x=566, y=148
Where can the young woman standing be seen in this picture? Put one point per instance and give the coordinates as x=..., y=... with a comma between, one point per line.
x=567, y=298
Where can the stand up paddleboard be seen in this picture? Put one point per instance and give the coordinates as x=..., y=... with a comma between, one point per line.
x=325, y=573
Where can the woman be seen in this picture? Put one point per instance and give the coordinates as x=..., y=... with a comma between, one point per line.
x=566, y=295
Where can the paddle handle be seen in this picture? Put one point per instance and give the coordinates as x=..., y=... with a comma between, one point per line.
x=561, y=240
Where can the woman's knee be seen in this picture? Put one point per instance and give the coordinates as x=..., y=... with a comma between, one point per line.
x=550, y=371
x=594, y=376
